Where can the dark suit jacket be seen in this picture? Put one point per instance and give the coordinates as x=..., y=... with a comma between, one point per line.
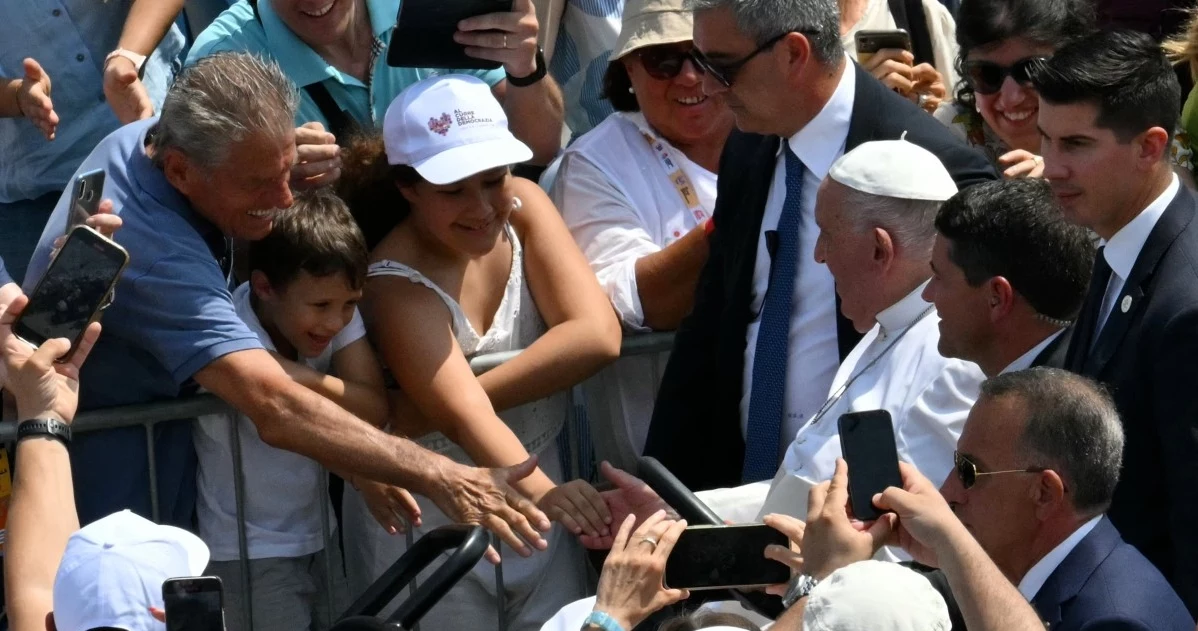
x=695, y=431
x=1148, y=357
x=1055, y=354
x=1105, y=583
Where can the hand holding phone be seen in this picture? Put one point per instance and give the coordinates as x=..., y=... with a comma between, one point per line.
x=85, y=198
x=887, y=55
x=425, y=32
x=630, y=585
x=867, y=442
x=194, y=604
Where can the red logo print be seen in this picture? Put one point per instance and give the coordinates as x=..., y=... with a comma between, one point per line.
x=440, y=125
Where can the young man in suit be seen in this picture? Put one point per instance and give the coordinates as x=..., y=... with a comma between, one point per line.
x=1108, y=105
x=1037, y=465
x=1008, y=276
x=750, y=366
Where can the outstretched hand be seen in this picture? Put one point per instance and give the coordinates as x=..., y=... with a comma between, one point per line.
x=632, y=496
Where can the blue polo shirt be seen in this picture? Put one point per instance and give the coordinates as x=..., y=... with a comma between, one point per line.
x=172, y=315
x=237, y=30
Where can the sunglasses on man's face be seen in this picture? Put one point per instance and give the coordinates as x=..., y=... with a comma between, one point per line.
x=665, y=62
x=987, y=77
x=725, y=72
x=968, y=473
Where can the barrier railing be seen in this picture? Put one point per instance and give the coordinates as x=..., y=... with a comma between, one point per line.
x=148, y=415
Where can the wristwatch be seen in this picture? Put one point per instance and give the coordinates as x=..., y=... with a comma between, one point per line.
x=603, y=621
x=537, y=75
x=139, y=60
x=44, y=427
x=800, y=586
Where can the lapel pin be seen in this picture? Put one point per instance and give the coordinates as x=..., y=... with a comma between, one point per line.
x=1125, y=306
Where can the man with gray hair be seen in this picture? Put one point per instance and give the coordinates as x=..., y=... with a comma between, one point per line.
x=1035, y=470
x=213, y=167
x=753, y=362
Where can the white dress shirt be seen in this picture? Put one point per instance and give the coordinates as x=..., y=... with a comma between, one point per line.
x=814, y=352
x=620, y=205
x=1036, y=577
x=1124, y=248
x=1025, y=360
x=898, y=369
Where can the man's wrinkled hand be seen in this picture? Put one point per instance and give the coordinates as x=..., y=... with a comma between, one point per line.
x=630, y=585
x=470, y=495
x=317, y=157
x=832, y=539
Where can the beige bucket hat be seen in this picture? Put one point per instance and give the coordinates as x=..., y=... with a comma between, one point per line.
x=653, y=22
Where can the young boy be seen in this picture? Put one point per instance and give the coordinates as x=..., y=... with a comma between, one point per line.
x=305, y=283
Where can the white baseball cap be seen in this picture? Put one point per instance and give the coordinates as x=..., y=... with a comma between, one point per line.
x=894, y=168
x=449, y=128
x=113, y=569
x=875, y=596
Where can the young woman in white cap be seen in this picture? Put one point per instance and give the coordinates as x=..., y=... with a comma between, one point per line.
x=468, y=260
x=637, y=194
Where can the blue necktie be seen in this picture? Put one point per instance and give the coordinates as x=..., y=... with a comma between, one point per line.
x=768, y=390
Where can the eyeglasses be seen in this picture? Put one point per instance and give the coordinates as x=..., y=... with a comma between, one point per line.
x=968, y=473
x=987, y=77
x=725, y=73
x=665, y=62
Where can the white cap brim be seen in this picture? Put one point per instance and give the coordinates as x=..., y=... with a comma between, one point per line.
x=459, y=163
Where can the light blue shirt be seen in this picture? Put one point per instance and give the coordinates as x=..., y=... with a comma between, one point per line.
x=70, y=39
x=588, y=33
x=237, y=30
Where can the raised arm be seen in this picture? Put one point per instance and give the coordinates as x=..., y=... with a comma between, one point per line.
x=584, y=334
x=356, y=385
x=146, y=25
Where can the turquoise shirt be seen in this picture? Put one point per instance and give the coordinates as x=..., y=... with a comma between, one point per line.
x=237, y=30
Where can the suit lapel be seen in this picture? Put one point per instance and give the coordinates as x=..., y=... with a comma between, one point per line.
x=759, y=176
x=1053, y=355
x=1132, y=298
x=1071, y=575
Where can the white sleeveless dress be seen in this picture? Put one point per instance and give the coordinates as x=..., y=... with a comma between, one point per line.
x=535, y=587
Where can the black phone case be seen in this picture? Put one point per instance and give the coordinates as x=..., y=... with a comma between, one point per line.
x=861, y=494
x=423, y=36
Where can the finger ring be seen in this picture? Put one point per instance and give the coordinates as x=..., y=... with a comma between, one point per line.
x=651, y=541
x=923, y=100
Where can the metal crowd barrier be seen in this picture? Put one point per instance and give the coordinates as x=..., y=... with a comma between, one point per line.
x=148, y=415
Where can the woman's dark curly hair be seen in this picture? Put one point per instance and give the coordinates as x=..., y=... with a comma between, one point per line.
x=368, y=186
x=982, y=23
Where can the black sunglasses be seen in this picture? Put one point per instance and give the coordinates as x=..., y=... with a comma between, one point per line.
x=664, y=62
x=725, y=73
x=968, y=473
x=987, y=77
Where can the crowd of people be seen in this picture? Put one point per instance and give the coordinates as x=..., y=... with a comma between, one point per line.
x=988, y=235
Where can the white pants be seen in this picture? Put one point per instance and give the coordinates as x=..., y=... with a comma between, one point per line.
x=534, y=587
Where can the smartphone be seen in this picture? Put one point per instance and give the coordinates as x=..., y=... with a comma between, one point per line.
x=714, y=557
x=73, y=290
x=85, y=198
x=424, y=29
x=870, y=42
x=867, y=442
x=196, y=603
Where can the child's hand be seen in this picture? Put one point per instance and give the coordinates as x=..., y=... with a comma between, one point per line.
x=390, y=505
x=578, y=507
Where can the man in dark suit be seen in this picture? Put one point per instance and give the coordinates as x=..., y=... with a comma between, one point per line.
x=1008, y=276
x=751, y=366
x=1037, y=464
x=1108, y=105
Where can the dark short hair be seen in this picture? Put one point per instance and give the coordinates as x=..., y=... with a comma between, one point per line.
x=983, y=23
x=1072, y=428
x=617, y=86
x=316, y=235
x=1014, y=229
x=1123, y=73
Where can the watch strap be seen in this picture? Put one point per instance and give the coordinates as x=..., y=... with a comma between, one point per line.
x=139, y=60
x=537, y=75
x=44, y=427
x=603, y=621
x=800, y=586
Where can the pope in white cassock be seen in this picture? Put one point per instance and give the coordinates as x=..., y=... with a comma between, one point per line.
x=876, y=211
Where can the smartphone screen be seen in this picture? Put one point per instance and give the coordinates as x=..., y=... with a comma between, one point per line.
x=711, y=557
x=85, y=198
x=194, y=604
x=424, y=31
x=870, y=42
x=73, y=290
x=867, y=442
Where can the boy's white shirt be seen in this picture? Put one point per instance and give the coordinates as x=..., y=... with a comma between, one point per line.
x=283, y=490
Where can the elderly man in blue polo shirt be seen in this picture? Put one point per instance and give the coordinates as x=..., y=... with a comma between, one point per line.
x=214, y=166
x=334, y=50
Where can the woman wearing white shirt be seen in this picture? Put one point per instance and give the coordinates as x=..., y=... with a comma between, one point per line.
x=637, y=194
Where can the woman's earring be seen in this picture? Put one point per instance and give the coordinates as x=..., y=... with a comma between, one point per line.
x=517, y=204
